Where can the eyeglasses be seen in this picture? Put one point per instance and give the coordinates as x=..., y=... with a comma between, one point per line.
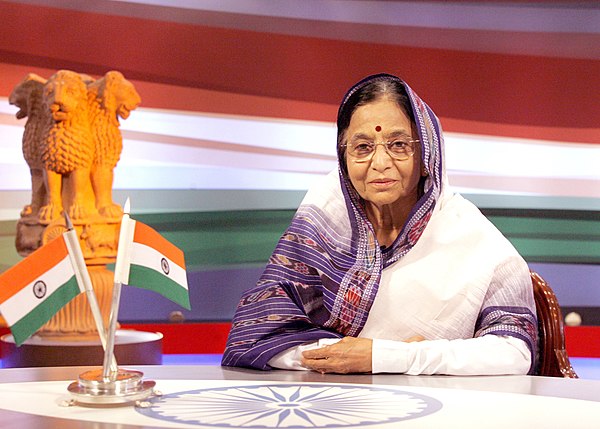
x=400, y=150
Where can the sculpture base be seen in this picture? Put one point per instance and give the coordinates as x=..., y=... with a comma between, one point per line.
x=131, y=348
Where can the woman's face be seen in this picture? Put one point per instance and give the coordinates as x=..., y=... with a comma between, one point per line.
x=383, y=180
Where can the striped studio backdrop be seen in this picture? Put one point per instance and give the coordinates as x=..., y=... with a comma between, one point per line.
x=239, y=100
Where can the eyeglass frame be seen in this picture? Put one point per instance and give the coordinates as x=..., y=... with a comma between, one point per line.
x=411, y=143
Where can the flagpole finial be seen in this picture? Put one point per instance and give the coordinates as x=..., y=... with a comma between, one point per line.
x=127, y=206
x=68, y=221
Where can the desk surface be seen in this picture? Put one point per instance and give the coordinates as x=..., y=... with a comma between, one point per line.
x=30, y=397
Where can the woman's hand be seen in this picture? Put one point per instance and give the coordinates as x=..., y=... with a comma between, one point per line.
x=349, y=355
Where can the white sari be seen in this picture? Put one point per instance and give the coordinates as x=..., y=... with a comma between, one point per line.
x=460, y=266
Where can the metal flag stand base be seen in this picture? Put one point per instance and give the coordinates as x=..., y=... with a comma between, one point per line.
x=93, y=388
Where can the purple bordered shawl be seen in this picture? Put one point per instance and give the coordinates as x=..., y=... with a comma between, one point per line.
x=322, y=279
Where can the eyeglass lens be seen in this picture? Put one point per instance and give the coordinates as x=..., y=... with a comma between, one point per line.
x=397, y=149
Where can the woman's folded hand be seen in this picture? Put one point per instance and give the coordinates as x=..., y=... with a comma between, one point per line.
x=349, y=355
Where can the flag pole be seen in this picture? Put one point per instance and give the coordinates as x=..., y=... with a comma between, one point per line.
x=107, y=371
x=120, y=264
x=112, y=385
x=83, y=277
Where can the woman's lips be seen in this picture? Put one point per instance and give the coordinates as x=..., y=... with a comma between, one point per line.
x=382, y=183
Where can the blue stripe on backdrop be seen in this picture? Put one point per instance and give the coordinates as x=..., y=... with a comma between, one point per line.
x=199, y=359
x=588, y=368
x=215, y=292
x=575, y=285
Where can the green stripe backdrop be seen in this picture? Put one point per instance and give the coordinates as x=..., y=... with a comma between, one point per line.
x=212, y=239
x=247, y=237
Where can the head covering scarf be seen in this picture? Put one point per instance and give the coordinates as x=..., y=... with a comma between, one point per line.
x=324, y=273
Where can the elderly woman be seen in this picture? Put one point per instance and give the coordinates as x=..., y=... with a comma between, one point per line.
x=384, y=268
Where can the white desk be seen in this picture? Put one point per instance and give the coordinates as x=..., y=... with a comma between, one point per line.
x=228, y=397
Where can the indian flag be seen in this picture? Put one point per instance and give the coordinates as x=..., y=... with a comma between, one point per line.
x=147, y=260
x=36, y=288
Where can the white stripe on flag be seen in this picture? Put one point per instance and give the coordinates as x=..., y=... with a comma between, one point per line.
x=149, y=257
x=25, y=301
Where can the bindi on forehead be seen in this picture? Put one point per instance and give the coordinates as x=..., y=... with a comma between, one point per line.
x=378, y=128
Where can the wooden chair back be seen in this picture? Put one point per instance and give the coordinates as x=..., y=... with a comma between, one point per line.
x=553, y=358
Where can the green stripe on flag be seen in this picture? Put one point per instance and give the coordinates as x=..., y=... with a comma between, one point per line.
x=32, y=321
x=147, y=278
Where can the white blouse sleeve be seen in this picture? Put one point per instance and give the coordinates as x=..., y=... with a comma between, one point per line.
x=487, y=355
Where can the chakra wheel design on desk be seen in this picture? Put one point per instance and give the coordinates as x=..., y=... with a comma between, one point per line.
x=291, y=406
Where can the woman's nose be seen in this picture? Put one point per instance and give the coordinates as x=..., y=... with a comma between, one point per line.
x=381, y=158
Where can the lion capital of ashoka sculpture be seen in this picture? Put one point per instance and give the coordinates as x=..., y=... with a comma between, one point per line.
x=72, y=143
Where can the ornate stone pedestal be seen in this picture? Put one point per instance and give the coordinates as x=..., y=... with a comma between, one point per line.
x=131, y=348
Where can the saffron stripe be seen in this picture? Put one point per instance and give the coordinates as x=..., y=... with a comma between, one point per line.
x=25, y=300
x=147, y=278
x=36, y=318
x=145, y=235
x=25, y=272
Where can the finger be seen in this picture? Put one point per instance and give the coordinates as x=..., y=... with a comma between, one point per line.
x=320, y=353
x=320, y=365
